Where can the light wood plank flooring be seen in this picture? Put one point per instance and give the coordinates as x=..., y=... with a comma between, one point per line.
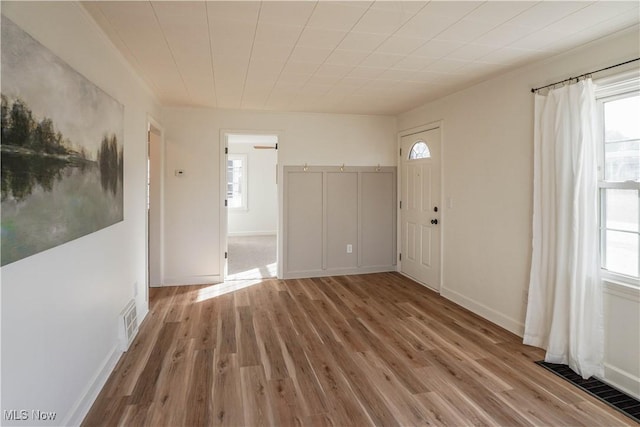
x=355, y=350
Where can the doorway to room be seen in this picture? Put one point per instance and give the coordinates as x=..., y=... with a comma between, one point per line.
x=252, y=205
x=155, y=160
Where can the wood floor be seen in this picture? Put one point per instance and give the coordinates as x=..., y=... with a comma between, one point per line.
x=355, y=350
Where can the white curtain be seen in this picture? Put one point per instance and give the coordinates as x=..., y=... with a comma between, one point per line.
x=564, y=313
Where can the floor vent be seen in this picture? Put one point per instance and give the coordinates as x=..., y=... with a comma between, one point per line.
x=611, y=396
x=128, y=325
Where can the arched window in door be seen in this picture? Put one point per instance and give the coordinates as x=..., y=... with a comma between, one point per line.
x=419, y=150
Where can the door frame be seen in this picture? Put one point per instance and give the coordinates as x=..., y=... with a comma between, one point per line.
x=153, y=123
x=224, y=213
x=407, y=132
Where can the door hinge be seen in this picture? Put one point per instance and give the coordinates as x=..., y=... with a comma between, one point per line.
x=276, y=146
x=400, y=257
x=225, y=202
x=400, y=204
x=226, y=150
x=226, y=255
x=401, y=152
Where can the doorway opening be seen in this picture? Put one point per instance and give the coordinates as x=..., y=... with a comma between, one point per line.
x=252, y=205
x=155, y=220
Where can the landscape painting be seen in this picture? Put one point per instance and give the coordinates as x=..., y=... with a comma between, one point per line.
x=61, y=150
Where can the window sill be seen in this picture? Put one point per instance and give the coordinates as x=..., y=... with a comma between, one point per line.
x=621, y=289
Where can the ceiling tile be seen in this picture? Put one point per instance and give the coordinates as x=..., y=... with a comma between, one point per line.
x=286, y=12
x=413, y=63
x=267, y=51
x=323, y=79
x=233, y=11
x=334, y=70
x=361, y=41
x=498, y=12
x=320, y=38
x=382, y=21
x=310, y=54
x=303, y=56
x=336, y=15
x=471, y=51
x=365, y=72
x=400, y=45
x=278, y=33
x=547, y=12
x=584, y=18
x=466, y=31
x=456, y=9
x=507, y=56
x=426, y=26
x=300, y=67
x=437, y=48
x=346, y=57
x=504, y=35
x=446, y=66
x=381, y=60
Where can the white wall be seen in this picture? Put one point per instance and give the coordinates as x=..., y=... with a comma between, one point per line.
x=261, y=215
x=192, y=202
x=60, y=307
x=487, y=167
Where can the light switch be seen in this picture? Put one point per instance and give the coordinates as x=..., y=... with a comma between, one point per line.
x=349, y=248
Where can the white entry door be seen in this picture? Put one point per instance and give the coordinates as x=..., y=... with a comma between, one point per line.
x=420, y=207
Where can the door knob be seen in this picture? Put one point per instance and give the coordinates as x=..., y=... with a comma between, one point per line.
x=434, y=221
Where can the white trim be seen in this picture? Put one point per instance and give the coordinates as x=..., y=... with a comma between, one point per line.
x=627, y=81
x=193, y=280
x=511, y=325
x=338, y=272
x=82, y=406
x=252, y=233
x=622, y=290
x=622, y=380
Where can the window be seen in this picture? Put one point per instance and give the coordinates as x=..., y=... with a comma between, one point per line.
x=420, y=150
x=619, y=179
x=237, y=181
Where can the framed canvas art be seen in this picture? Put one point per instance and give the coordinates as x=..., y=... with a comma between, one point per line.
x=61, y=150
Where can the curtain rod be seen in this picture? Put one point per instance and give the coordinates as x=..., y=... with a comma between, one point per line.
x=583, y=75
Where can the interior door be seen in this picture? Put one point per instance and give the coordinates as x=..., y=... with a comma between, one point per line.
x=420, y=207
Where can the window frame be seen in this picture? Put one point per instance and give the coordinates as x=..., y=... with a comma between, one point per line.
x=427, y=150
x=620, y=86
x=244, y=187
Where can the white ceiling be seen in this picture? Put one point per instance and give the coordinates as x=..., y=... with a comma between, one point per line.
x=364, y=57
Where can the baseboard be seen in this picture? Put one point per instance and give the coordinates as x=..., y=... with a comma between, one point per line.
x=251, y=233
x=338, y=272
x=482, y=310
x=622, y=380
x=81, y=408
x=193, y=280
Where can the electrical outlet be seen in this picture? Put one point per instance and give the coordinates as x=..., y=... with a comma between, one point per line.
x=349, y=248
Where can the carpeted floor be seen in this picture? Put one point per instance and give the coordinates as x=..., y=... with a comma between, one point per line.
x=251, y=257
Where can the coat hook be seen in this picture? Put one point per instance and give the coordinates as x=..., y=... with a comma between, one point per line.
x=305, y=167
x=342, y=168
x=378, y=168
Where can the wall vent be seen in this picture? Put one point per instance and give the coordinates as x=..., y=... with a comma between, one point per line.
x=128, y=325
